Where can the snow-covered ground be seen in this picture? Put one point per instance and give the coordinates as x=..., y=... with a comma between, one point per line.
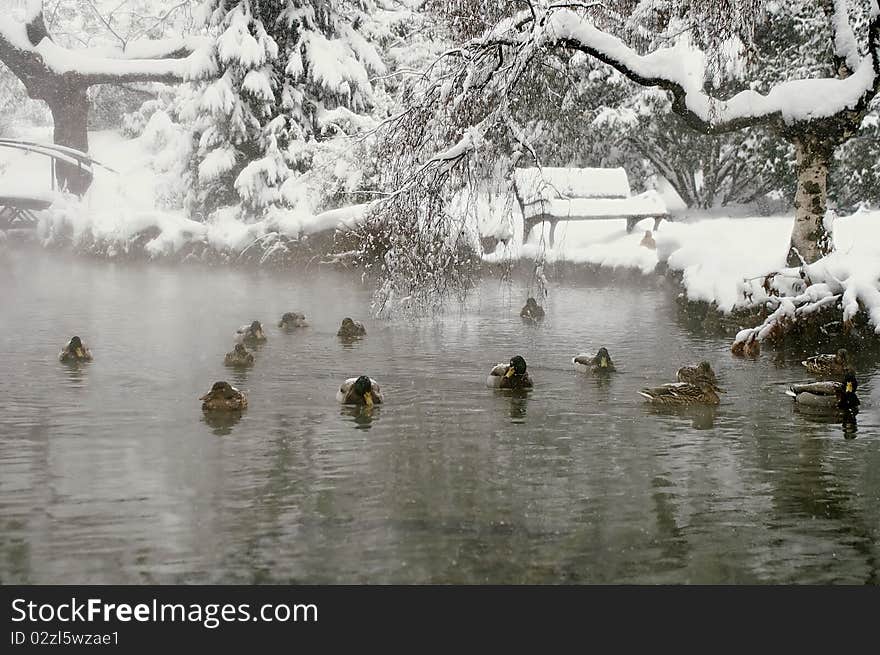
x=123, y=203
x=714, y=255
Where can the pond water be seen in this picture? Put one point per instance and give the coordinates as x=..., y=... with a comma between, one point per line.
x=110, y=473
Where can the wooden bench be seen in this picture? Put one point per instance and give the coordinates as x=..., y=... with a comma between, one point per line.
x=581, y=194
x=20, y=209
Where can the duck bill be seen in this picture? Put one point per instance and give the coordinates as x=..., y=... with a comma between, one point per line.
x=603, y=363
x=368, y=399
x=79, y=352
x=510, y=372
x=849, y=387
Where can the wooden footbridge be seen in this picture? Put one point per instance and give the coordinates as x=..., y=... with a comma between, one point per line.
x=17, y=209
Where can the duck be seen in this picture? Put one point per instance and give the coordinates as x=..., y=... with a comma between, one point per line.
x=831, y=394
x=351, y=329
x=695, y=373
x=601, y=363
x=240, y=356
x=648, y=241
x=532, y=310
x=510, y=376
x=250, y=334
x=362, y=390
x=291, y=320
x=75, y=351
x=223, y=396
x=828, y=365
x=749, y=347
x=682, y=393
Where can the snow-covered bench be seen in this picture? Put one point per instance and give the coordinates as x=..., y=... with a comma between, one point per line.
x=581, y=194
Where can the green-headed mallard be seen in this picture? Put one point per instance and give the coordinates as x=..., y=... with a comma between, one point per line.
x=351, y=329
x=223, y=396
x=841, y=395
x=682, y=393
x=290, y=320
x=510, y=376
x=362, y=390
x=828, y=365
x=240, y=356
x=532, y=310
x=600, y=363
x=75, y=351
x=696, y=373
x=250, y=334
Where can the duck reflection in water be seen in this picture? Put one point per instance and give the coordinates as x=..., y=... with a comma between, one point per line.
x=362, y=415
x=519, y=401
x=702, y=417
x=846, y=418
x=221, y=422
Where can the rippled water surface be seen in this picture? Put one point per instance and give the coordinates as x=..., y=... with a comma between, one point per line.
x=109, y=473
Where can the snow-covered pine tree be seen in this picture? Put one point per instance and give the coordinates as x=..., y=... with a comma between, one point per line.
x=280, y=77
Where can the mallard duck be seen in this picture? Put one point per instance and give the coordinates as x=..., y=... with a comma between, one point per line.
x=240, y=356
x=351, y=329
x=532, y=310
x=601, y=363
x=223, y=396
x=648, y=241
x=696, y=373
x=250, y=334
x=291, y=320
x=682, y=393
x=362, y=390
x=828, y=365
x=75, y=351
x=510, y=376
x=841, y=395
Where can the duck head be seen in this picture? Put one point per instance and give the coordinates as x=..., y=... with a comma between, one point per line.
x=842, y=356
x=240, y=350
x=220, y=389
x=347, y=323
x=848, y=397
x=603, y=359
x=363, y=387
x=517, y=367
x=75, y=346
x=257, y=329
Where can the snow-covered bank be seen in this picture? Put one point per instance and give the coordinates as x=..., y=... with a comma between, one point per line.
x=725, y=261
x=122, y=214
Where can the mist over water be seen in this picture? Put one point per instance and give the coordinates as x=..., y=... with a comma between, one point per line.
x=110, y=472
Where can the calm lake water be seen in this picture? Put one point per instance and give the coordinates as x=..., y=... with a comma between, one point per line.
x=110, y=473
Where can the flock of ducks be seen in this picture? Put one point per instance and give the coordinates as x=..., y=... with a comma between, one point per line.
x=695, y=384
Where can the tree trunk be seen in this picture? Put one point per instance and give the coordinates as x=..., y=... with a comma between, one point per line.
x=810, y=240
x=70, y=112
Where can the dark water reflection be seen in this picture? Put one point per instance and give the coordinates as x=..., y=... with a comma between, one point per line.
x=110, y=472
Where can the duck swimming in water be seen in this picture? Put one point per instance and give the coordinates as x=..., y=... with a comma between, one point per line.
x=510, y=376
x=682, y=393
x=828, y=365
x=240, y=356
x=75, y=351
x=532, y=310
x=351, y=329
x=600, y=363
x=839, y=395
x=250, y=334
x=223, y=396
x=290, y=320
x=362, y=390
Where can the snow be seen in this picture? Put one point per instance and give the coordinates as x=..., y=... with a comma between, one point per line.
x=715, y=255
x=684, y=65
x=649, y=203
x=121, y=207
x=549, y=182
